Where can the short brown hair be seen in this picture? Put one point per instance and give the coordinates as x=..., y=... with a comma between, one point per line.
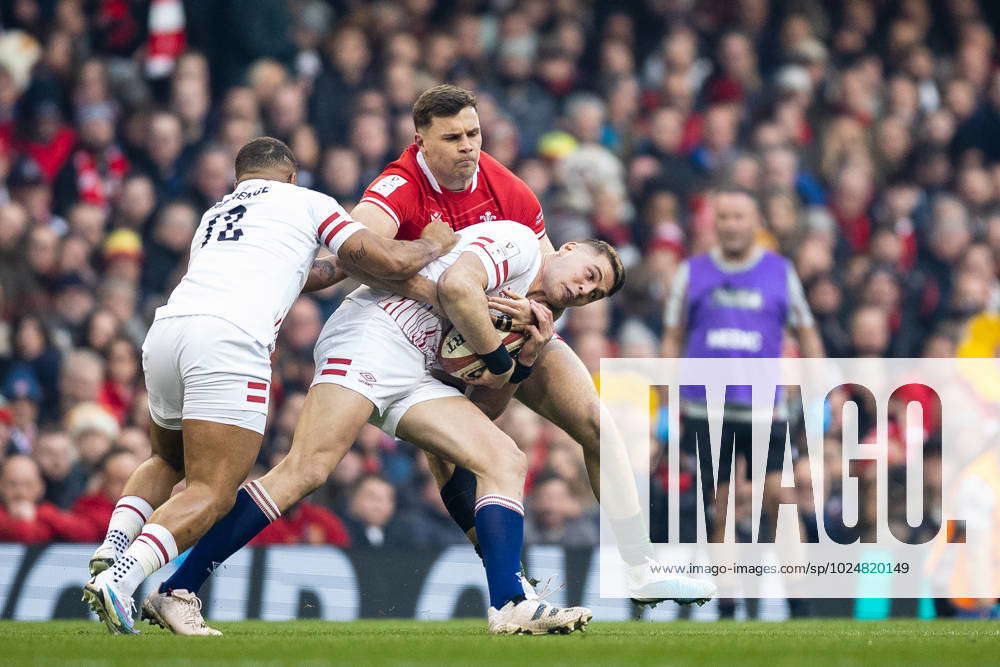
x=730, y=188
x=617, y=267
x=440, y=102
x=264, y=153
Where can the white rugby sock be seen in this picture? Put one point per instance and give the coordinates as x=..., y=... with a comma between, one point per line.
x=131, y=513
x=152, y=549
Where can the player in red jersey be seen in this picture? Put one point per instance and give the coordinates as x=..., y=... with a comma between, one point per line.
x=445, y=175
x=409, y=193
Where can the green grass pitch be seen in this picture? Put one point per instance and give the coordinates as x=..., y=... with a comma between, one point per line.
x=466, y=643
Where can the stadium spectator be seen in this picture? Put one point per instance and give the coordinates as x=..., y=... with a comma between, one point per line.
x=24, y=516
x=344, y=75
x=135, y=203
x=431, y=527
x=213, y=178
x=34, y=358
x=164, y=152
x=23, y=396
x=340, y=174
x=135, y=440
x=123, y=374
x=80, y=379
x=112, y=472
x=97, y=167
x=73, y=299
x=371, y=515
x=555, y=517
x=65, y=478
x=166, y=254
x=39, y=131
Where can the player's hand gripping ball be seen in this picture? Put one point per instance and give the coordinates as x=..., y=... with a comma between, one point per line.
x=459, y=360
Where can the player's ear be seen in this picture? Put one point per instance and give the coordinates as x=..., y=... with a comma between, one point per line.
x=418, y=140
x=293, y=177
x=567, y=247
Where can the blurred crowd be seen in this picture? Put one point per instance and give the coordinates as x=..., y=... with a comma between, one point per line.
x=870, y=131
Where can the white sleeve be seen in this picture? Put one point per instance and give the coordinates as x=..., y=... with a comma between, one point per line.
x=333, y=224
x=505, y=256
x=799, y=314
x=673, y=314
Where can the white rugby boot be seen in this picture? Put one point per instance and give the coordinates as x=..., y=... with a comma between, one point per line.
x=112, y=606
x=537, y=617
x=647, y=584
x=178, y=611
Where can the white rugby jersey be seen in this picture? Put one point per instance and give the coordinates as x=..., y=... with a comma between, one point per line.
x=509, y=253
x=252, y=252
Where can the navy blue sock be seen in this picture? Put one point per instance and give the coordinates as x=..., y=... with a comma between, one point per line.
x=459, y=496
x=500, y=529
x=251, y=513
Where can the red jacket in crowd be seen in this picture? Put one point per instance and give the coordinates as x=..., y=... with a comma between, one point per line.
x=95, y=508
x=49, y=525
x=305, y=524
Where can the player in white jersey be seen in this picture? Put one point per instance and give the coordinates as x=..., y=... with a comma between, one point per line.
x=511, y=265
x=207, y=360
x=374, y=361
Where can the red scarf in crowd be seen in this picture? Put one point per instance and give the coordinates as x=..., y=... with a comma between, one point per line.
x=99, y=184
x=167, y=38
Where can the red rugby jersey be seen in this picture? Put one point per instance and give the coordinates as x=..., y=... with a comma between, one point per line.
x=409, y=193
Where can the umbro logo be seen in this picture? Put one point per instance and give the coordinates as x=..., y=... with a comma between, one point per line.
x=488, y=217
x=367, y=378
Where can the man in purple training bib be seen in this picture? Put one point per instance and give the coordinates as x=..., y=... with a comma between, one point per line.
x=736, y=301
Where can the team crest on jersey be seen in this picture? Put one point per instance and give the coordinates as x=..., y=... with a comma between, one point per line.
x=501, y=252
x=386, y=186
x=488, y=217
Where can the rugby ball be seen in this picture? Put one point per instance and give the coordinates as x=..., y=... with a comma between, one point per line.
x=459, y=360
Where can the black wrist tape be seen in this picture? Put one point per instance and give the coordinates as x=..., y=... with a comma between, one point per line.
x=521, y=372
x=498, y=361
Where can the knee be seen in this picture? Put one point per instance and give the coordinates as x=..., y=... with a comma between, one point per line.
x=509, y=459
x=305, y=474
x=314, y=475
x=589, y=428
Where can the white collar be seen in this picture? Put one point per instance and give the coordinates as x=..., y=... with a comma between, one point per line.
x=726, y=266
x=433, y=181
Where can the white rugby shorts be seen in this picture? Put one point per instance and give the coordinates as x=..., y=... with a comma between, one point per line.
x=205, y=367
x=363, y=349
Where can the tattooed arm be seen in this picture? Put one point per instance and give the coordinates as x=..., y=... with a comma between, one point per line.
x=325, y=272
x=397, y=260
x=328, y=271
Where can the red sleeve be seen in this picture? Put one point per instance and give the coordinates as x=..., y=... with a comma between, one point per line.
x=26, y=532
x=525, y=207
x=67, y=527
x=395, y=192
